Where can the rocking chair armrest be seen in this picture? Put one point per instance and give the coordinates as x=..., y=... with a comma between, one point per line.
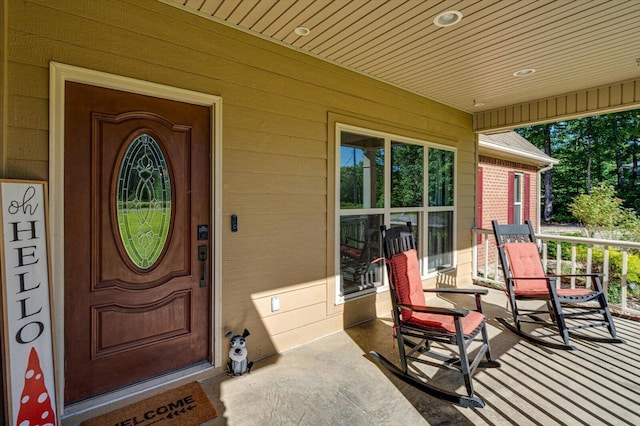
x=598, y=275
x=480, y=291
x=477, y=292
x=435, y=310
x=555, y=277
x=595, y=278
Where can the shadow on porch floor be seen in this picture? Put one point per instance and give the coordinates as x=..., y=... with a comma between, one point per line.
x=332, y=382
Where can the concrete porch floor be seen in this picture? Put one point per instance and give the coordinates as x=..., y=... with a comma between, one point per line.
x=332, y=381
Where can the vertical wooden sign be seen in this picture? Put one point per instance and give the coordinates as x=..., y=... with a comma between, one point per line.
x=28, y=343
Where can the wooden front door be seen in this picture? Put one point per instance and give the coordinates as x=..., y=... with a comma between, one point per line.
x=137, y=197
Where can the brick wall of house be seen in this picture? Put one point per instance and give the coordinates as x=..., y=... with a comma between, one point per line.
x=495, y=174
x=495, y=199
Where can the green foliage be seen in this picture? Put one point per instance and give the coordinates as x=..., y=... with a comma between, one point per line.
x=566, y=248
x=441, y=177
x=592, y=149
x=614, y=293
x=602, y=213
x=615, y=268
x=633, y=265
x=597, y=265
x=407, y=175
x=561, y=218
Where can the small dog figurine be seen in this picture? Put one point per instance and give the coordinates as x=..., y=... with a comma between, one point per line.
x=238, y=364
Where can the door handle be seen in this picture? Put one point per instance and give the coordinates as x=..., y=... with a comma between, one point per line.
x=202, y=256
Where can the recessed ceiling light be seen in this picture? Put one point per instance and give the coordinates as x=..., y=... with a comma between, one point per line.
x=302, y=31
x=448, y=18
x=477, y=103
x=523, y=73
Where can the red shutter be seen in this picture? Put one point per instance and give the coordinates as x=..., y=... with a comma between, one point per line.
x=526, y=204
x=510, y=185
x=479, y=202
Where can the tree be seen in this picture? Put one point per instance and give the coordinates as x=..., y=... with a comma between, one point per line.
x=407, y=177
x=541, y=136
x=629, y=132
x=603, y=148
x=602, y=213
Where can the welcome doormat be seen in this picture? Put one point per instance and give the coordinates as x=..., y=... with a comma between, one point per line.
x=184, y=406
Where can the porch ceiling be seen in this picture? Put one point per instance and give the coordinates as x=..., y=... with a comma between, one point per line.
x=573, y=46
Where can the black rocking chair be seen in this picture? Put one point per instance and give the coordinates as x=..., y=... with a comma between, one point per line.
x=416, y=325
x=526, y=280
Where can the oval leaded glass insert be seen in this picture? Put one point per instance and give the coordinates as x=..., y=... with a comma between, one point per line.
x=144, y=201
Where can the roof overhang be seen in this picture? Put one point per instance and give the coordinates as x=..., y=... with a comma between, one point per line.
x=507, y=153
x=508, y=63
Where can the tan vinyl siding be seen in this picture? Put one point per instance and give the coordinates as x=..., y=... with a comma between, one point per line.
x=277, y=154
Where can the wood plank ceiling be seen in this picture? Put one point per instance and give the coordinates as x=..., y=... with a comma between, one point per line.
x=572, y=45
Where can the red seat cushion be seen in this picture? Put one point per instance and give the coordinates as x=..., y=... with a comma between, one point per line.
x=408, y=283
x=568, y=292
x=524, y=261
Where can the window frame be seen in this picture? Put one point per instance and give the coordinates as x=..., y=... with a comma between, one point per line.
x=387, y=211
x=517, y=189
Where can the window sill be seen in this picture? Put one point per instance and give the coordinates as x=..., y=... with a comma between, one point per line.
x=441, y=271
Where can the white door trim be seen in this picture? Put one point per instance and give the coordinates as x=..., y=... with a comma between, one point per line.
x=58, y=76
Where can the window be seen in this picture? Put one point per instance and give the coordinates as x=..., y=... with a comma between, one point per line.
x=144, y=201
x=441, y=208
x=362, y=203
x=519, y=197
x=385, y=179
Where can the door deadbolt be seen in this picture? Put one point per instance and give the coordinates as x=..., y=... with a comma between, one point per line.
x=203, y=232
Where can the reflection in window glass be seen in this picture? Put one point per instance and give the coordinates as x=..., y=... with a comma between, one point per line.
x=361, y=171
x=359, y=245
x=407, y=175
x=441, y=168
x=401, y=219
x=143, y=201
x=440, y=240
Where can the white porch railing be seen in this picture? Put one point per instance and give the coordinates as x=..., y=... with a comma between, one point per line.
x=622, y=292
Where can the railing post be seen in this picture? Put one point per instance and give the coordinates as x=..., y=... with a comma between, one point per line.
x=573, y=264
x=589, y=262
x=605, y=270
x=474, y=254
x=623, y=279
x=486, y=259
x=558, y=261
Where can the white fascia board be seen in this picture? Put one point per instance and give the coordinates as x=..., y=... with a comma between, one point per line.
x=506, y=150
